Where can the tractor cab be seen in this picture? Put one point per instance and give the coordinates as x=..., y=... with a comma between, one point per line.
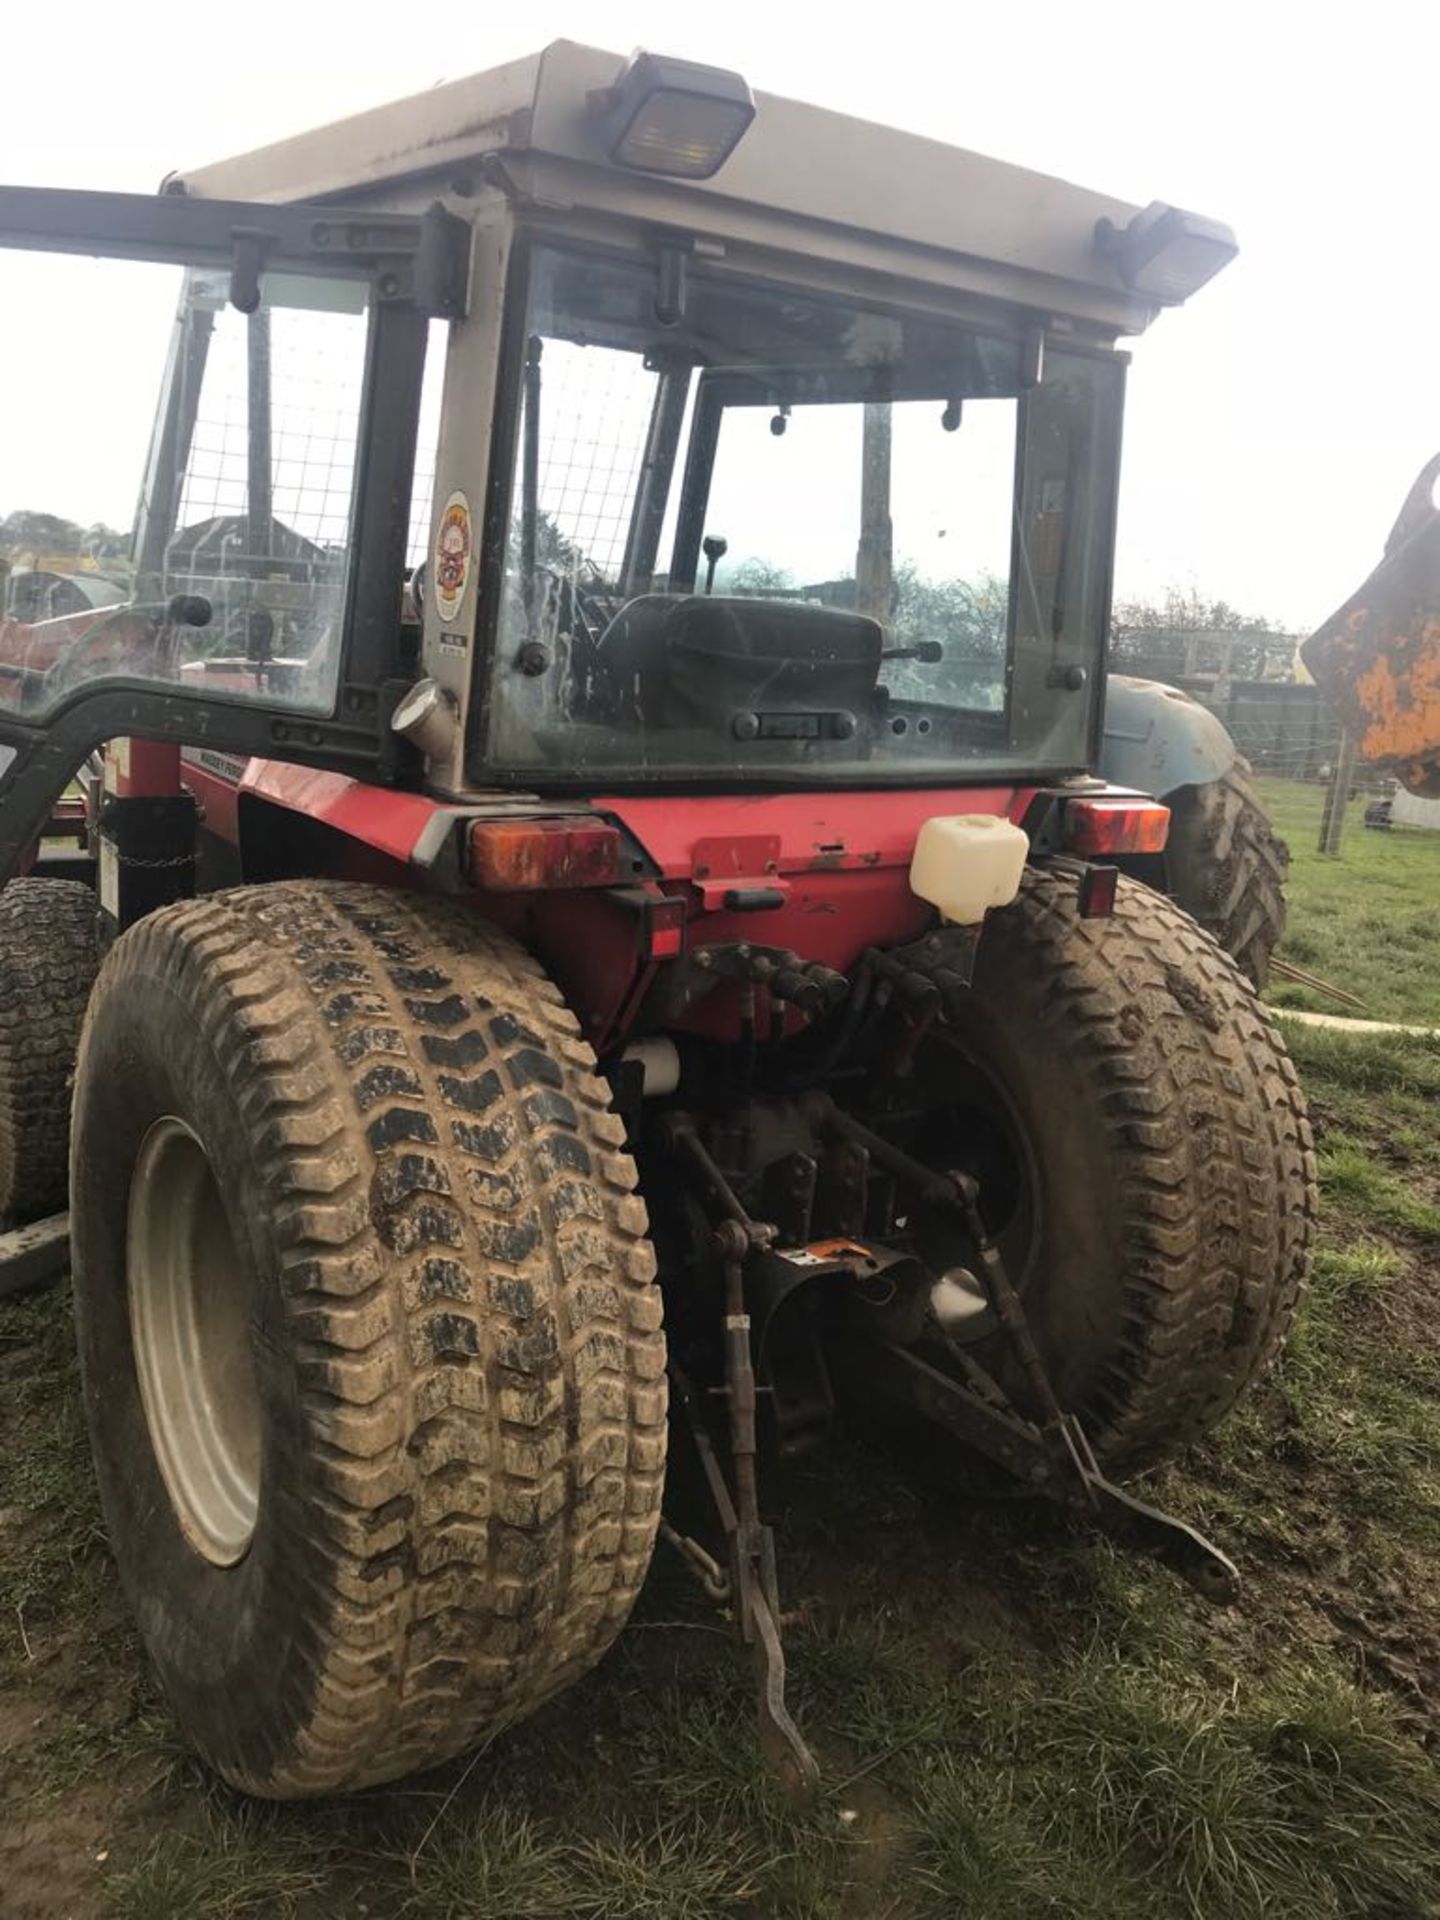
x=580, y=424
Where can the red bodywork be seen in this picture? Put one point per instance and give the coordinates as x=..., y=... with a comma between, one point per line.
x=834, y=865
x=384, y=818
x=841, y=860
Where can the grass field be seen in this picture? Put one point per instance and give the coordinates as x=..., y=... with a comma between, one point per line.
x=1367, y=919
x=1013, y=1720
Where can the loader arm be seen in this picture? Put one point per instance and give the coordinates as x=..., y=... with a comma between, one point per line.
x=1378, y=658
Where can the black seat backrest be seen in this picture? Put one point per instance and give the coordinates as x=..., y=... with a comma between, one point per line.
x=722, y=652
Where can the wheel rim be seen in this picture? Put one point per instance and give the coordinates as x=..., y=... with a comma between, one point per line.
x=190, y=1327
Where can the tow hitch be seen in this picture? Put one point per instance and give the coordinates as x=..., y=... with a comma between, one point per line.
x=1040, y=1445
x=754, y=1592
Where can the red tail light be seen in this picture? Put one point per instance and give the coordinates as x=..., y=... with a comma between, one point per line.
x=1115, y=823
x=525, y=856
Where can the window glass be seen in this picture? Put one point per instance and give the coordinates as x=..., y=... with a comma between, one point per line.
x=784, y=535
x=427, y=443
x=177, y=480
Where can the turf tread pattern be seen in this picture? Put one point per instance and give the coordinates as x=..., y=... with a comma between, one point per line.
x=49, y=956
x=471, y=1314
x=1227, y=867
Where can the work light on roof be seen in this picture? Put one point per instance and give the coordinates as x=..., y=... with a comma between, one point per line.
x=674, y=117
x=1166, y=253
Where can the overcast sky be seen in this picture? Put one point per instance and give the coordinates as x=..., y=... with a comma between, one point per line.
x=1274, y=424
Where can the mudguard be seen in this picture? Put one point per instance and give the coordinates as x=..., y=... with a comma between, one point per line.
x=1159, y=739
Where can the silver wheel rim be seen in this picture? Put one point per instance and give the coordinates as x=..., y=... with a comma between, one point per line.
x=190, y=1327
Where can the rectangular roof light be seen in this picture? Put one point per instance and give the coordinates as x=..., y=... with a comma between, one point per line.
x=674, y=117
x=1166, y=253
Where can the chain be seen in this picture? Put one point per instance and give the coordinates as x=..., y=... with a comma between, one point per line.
x=129, y=860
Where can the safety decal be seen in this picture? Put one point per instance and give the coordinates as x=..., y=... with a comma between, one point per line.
x=453, y=548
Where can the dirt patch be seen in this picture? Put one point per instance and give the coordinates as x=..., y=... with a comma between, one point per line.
x=53, y=1856
x=19, y=1721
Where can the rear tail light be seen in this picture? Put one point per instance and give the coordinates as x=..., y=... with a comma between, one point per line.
x=665, y=925
x=525, y=856
x=1111, y=824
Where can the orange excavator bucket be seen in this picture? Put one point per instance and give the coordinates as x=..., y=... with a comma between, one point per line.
x=1378, y=659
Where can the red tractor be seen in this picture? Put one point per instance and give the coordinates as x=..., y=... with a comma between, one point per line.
x=598, y=785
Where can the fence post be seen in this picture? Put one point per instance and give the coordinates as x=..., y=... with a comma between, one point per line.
x=1332, y=820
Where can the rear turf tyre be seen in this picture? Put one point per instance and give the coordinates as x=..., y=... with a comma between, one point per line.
x=370, y=1336
x=1151, y=1177
x=1226, y=866
x=49, y=956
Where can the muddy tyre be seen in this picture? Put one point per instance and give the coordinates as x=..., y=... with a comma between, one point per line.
x=368, y=1324
x=49, y=957
x=1226, y=867
x=1150, y=1175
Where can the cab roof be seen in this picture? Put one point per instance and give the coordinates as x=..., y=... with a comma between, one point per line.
x=803, y=179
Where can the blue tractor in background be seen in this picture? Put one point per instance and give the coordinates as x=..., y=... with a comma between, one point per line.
x=1224, y=863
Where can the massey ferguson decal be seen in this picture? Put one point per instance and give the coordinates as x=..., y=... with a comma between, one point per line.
x=453, y=547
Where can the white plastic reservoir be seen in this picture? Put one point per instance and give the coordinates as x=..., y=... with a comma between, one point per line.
x=966, y=863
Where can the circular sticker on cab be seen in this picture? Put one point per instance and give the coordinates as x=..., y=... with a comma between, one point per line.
x=453, y=547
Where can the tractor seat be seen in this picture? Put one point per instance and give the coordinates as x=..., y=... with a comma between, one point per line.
x=634, y=641
x=716, y=654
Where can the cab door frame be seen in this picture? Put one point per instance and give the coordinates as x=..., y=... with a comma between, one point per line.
x=417, y=268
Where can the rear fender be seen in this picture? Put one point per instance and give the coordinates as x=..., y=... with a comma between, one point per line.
x=1158, y=739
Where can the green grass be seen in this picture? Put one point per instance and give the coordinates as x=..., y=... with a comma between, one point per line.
x=1402, y=1067
x=1366, y=920
x=1356, y=1406
x=1350, y=1175
x=1149, y=1786
x=1108, y=1786
x=501, y=1861
x=1361, y=1374
x=230, y=1868
x=1374, y=1103
x=1134, y=1790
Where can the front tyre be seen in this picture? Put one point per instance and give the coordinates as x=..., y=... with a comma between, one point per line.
x=1226, y=867
x=368, y=1325
x=49, y=956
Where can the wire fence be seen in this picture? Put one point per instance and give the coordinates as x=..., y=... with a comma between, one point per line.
x=1292, y=748
x=594, y=412
x=316, y=363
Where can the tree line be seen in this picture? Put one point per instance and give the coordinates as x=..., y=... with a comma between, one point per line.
x=971, y=613
x=27, y=537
